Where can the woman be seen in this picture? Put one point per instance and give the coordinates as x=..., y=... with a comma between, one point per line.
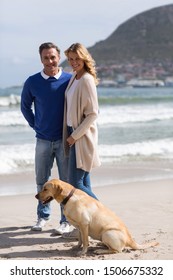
x=80, y=133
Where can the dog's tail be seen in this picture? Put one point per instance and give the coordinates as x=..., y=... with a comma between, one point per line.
x=132, y=244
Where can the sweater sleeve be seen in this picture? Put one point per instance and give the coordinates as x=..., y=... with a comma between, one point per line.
x=88, y=106
x=26, y=104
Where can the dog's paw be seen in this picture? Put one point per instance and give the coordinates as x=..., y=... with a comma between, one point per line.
x=104, y=251
x=81, y=253
x=99, y=252
x=75, y=247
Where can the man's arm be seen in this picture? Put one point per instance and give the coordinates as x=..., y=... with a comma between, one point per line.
x=26, y=104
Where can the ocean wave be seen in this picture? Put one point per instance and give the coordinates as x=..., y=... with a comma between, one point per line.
x=107, y=115
x=113, y=100
x=128, y=96
x=12, y=118
x=135, y=113
x=106, y=96
x=11, y=100
x=156, y=149
x=17, y=158
x=14, y=100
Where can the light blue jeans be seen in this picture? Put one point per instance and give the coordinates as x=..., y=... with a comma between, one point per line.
x=77, y=177
x=45, y=153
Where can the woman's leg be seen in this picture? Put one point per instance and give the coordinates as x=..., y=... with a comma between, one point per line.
x=79, y=178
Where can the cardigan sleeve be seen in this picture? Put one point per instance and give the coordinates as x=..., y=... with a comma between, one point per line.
x=87, y=107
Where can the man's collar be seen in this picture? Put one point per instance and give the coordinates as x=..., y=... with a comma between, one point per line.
x=56, y=76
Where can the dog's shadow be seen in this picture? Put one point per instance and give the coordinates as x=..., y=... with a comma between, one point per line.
x=13, y=238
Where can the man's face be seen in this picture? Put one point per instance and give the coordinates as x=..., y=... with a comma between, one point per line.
x=50, y=59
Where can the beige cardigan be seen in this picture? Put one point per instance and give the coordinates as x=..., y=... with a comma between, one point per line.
x=84, y=112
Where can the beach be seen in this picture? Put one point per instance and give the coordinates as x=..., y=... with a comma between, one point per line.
x=135, y=179
x=145, y=206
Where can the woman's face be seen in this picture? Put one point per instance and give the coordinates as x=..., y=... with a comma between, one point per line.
x=75, y=62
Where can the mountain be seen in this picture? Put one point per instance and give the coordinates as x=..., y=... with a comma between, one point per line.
x=147, y=37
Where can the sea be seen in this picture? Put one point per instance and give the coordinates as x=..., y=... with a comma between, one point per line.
x=135, y=125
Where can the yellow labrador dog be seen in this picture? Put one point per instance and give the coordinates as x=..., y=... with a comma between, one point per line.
x=91, y=217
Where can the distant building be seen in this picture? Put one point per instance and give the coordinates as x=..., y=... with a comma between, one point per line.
x=145, y=83
x=169, y=82
x=107, y=83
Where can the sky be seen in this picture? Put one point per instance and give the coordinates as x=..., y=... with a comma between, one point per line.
x=25, y=25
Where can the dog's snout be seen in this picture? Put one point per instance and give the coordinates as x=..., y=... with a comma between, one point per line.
x=37, y=196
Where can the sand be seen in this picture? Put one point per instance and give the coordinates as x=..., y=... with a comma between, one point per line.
x=145, y=206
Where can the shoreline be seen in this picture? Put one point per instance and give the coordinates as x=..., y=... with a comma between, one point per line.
x=144, y=206
x=107, y=174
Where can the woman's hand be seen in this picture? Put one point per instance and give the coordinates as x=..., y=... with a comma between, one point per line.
x=70, y=141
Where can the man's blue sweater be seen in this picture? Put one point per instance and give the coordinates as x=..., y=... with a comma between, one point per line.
x=47, y=96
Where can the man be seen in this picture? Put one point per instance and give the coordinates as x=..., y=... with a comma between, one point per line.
x=45, y=90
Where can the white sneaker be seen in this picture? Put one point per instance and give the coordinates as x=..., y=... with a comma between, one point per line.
x=39, y=225
x=64, y=227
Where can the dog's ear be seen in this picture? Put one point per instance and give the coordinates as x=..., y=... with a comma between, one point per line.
x=55, y=186
x=58, y=188
x=48, y=185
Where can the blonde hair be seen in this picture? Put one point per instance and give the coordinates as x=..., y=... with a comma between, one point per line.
x=89, y=62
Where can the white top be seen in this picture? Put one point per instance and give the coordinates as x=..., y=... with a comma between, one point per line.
x=69, y=100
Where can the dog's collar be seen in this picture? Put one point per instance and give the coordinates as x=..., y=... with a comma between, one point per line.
x=65, y=200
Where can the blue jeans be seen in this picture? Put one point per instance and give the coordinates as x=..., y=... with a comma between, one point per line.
x=77, y=177
x=45, y=153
